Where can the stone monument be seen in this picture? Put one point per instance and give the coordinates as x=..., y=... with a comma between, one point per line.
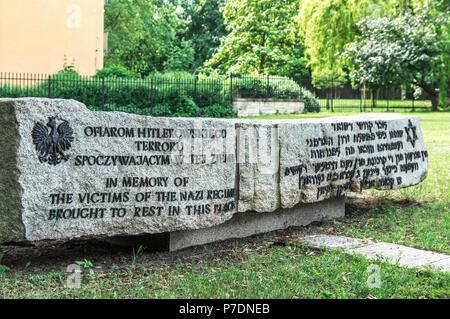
x=70, y=173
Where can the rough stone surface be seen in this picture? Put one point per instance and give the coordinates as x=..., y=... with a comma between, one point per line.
x=11, y=227
x=325, y=158
x=250, y=223
x=127, y=174
x=443, y=264
x=142, y=209
x=256, y=107
x=258, y=158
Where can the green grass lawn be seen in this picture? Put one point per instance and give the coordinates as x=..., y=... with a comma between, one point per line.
x=272, y=272
x=417, y=216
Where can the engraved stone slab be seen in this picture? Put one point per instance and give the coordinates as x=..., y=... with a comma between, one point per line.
x=325, y=158
x=258, y=166
x=73, y=173
x=67, y=172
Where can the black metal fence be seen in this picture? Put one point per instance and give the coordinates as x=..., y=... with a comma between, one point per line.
x=150, y=95
x=142, y=96
x=193, y=95
x=334, y=95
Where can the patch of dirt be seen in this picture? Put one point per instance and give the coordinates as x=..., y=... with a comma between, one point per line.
x=357, y=202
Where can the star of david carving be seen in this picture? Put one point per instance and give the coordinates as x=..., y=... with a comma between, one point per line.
x=411, y=133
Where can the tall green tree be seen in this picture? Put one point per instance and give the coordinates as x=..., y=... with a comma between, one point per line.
x=410, y=49
x=205, y=30
x=262, y=39
x=142, y=34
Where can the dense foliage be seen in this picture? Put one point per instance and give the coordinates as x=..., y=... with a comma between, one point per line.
x=402, y=50
x=262, y=39
x=205, y=30
x=328, y=26
x=301, y=39
x=143, y=35
x=331, y=26
x=206, y=36
x=148, y=36
x=168, y=94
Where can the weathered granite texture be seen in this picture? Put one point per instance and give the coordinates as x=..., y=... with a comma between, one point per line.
x=334, y=155
x=113, y=185
x=67, y=172
x=12, y=228
x=258, y=166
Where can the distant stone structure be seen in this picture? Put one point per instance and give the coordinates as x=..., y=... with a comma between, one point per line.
x=256, y=107
x=70, y=173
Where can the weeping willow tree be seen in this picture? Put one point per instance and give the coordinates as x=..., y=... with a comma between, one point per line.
x=328, y=26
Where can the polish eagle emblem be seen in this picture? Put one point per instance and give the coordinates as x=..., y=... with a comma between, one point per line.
x=51, y=146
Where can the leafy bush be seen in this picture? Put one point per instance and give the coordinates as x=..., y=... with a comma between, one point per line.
x=311, y=103
x=115, y=72
x=184, y=107
x=277, y=87
x=174, y=94
x=218, y=110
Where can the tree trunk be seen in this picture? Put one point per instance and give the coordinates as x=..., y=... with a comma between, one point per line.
x=328, y=99
x=372, y=97
x=364, y=96
x=434, y=101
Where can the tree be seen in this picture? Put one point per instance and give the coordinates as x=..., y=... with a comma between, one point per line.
x=262, y=39
x=205, y=30
x=142, y=34
x=328, y=26
x=403, y=50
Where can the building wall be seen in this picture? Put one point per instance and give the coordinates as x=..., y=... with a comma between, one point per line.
x=36, y=35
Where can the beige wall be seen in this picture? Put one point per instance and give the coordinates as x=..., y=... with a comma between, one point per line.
x=35, y=35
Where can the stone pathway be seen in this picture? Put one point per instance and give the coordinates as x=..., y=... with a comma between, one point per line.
x=405, y=256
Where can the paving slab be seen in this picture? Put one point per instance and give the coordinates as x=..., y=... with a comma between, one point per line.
x=333, y=242
x=444, y=264
x=395, y=254
x=405, y=256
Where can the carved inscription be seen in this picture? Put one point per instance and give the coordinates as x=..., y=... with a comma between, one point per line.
x=354, y=156
x=160, y=194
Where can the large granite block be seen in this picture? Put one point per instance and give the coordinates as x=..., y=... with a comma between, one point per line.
x=332, y=156
x=67, y=172
x=72, y=173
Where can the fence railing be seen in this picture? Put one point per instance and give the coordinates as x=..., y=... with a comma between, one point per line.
x=338, y=96
x=163, y=96
x=147, y=95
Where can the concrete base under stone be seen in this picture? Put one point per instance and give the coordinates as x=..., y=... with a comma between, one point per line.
x=240, y=226
x=251, y=223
